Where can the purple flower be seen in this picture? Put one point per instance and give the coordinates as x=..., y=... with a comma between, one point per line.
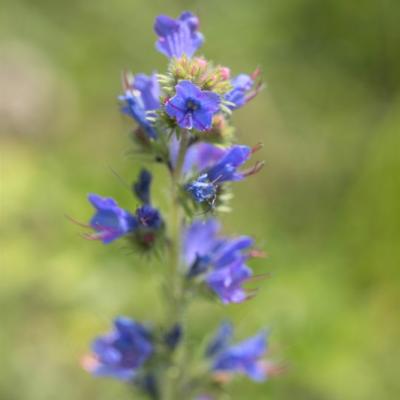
x=192, y=107
x=242, y=85
x=110, y=221
x=177, y=37
x=216, y=166
x=142, y=186
x=220, y=260
x=142, y=96
x=149, y=217
x=244, y=88
x=122, y=352
x=202, y=189
x=243, y=358
x=227, y=282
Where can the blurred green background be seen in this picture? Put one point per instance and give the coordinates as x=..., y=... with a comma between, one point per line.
x=326, y=207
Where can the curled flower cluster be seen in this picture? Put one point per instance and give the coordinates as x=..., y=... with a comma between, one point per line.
x=183, y=121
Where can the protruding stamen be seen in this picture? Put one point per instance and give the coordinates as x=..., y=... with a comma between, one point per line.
x=259, y=277
x=257, y=147
x=253, y=170
x=256, y=73
x=77, y=222
x=257, y=253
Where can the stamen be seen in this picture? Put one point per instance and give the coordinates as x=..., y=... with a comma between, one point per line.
x=257, y=253
x=257, y=147
x=77, y=222
x=256, y=73
x=253, y=170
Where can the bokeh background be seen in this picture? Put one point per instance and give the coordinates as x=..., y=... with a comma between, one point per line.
x=326, y=207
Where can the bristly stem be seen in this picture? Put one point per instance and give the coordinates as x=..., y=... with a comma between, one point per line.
x=175, y=289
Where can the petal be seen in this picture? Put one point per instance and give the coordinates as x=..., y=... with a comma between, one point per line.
x=256, y=372
x=209, y=101
x=199, y=239
x=100, y=202
x=187, y=89
x=220, y=340
x=202, y=120
x=201, y=156
x=142, y=186
x=165, y=24
x=176, y=107
x=149, y=89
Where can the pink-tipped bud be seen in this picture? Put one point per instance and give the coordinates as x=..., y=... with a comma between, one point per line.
x=201, y=62
x=225, y=73
x=194, y=70
x=219, y=123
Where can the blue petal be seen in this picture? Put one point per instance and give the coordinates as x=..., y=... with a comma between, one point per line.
x=201, y=156
x=187, y=89
x=199, y=239
x=225, y=169
x=242, y=84
x=231, y=250
x=178, y=37
x=220, y=340
x=202, y=120
x=149, y=89
x=142, y=186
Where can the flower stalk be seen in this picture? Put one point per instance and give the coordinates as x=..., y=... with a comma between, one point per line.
x=183, y=120
x=175, y=295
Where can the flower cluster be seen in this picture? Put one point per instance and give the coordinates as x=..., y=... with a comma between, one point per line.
x=218, y=260
x=111, y=222
x=183, y=121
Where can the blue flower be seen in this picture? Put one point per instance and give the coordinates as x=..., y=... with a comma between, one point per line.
x=238, y=96
x=243, y=358
x=142, y=96
x=178, y=37
x=220, y=260
x=110, y=221
x=226, y=169
x=149, y=217
x=192, y=107
x=222, y=166
x=202, y=189
x=142, y=186
x=227, y=282
x=122, y=352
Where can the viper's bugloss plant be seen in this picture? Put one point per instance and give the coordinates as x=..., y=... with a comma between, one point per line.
x=183, y=121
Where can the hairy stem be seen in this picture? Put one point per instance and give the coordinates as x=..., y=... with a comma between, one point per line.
x=175, y=289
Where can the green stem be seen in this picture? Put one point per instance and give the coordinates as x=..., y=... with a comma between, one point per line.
x=175, y=288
